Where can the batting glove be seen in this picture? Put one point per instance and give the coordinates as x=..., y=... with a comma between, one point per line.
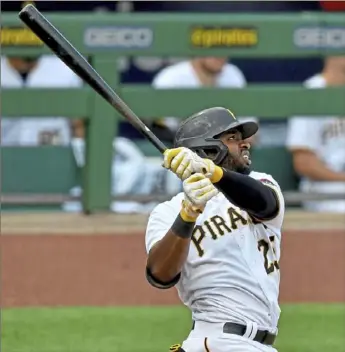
x=184, y=162
x=198, y=190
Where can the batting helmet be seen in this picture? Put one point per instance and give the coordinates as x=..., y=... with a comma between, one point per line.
x=200, y=132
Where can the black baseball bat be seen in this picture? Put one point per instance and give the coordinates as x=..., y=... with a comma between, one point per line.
x=62, y=48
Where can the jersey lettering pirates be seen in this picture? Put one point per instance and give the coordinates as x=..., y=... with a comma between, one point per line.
x=232, y=270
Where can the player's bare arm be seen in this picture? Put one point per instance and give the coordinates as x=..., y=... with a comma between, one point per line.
x=308, y=164
x=166, y=258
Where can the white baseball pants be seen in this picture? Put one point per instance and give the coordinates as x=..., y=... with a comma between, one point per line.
x=209, y=337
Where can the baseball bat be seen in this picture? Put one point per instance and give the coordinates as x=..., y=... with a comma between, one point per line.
x=63, y=49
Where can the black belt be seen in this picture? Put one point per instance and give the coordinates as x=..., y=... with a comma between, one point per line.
x=262, y=336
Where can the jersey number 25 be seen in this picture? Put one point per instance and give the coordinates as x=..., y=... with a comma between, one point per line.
x=264, y=247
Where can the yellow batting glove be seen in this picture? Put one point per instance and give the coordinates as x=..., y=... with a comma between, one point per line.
x=184, y=162
x=190, y=212
x=198, y=190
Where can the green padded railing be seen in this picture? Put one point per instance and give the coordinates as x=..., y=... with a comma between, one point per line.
x=56, y=165
x=265, y=35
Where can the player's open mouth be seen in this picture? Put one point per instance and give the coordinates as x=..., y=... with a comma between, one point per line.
x=246, y=156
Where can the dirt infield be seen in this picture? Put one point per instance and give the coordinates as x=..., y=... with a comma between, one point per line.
x=55, y=259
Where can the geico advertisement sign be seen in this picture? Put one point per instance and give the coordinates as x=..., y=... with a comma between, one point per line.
x=118, y=37
x=317, y=37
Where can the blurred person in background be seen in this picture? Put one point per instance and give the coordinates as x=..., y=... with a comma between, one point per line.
x=36, y=72
x=200, y=72
x=132, y=173
x=318, y=144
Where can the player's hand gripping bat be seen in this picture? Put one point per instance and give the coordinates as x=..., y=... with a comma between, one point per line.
x=79, y=65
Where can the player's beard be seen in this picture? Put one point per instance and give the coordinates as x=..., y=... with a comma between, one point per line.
x=232, y=164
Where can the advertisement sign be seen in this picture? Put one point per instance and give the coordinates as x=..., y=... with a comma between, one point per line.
x=319, y=37
x=224, y=37
x=114, y=37
x=18, y=36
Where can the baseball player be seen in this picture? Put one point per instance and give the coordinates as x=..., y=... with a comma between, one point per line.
x=43, y=72
x=318, y=144
x=219, y=240
x=203, y=72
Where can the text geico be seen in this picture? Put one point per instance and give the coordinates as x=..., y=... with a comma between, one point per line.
x=118, y=37
x=318, y=37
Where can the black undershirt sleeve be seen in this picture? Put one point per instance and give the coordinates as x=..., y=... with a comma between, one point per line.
x=249, y=194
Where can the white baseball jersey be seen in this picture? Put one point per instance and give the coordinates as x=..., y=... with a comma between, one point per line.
x=50, y=72
x=232, y=269
x=326, y=138
x=182, y=75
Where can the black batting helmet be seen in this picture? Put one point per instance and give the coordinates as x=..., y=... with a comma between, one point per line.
x=200, y=132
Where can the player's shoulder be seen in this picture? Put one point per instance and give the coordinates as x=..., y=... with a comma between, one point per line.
x=232, y=73
x=8, y=78
x=265, y=178
x=3, y=61
x=230, y=68
x=316, y=81
x=171, y=74
x=56, y=70
x=52, y=62
x=269, y=181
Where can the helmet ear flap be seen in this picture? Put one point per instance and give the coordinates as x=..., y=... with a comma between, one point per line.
x=201, y=152
x=216, y=153
x=209, y=148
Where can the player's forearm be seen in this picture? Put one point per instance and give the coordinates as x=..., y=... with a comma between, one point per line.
x=167, y=257
x=248, y=194
x=310, y=166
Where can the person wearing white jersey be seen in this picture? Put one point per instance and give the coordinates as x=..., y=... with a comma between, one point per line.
x=219, y=240
x=42, y=72
x=203, y=72
x=318, y=144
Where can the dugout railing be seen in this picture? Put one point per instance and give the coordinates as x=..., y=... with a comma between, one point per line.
x=106, y=37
